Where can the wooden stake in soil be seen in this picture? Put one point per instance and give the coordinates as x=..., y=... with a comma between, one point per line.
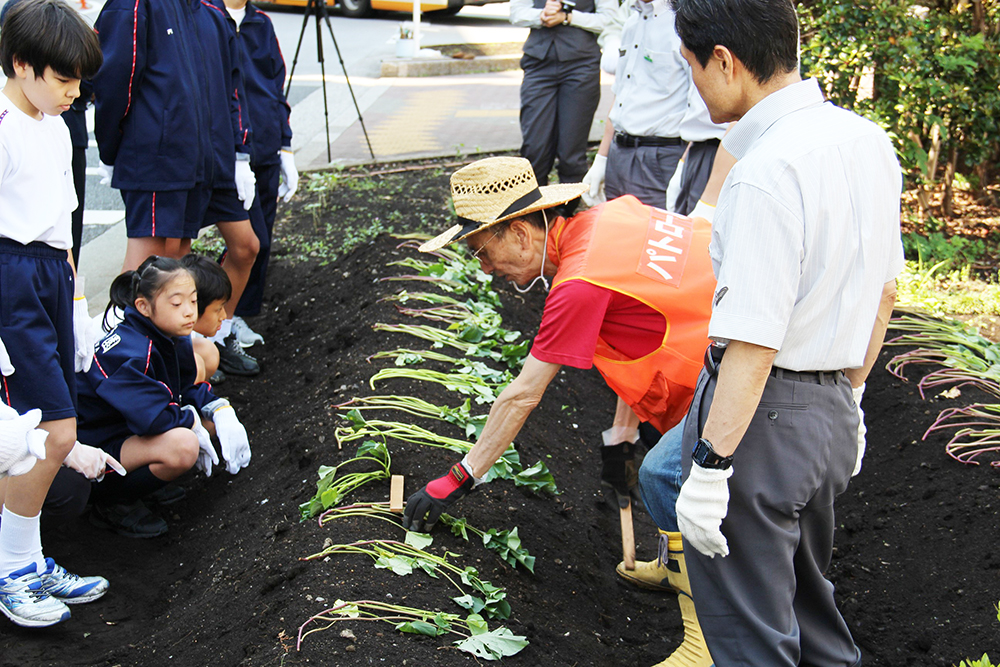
x=396, y=494
x=628, y=537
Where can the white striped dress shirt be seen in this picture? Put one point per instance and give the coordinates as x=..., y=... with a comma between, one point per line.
x=806, y=232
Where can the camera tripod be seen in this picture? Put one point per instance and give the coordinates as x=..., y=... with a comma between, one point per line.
x=317, y=8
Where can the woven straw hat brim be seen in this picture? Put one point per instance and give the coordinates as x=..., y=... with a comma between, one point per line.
x=552, y=195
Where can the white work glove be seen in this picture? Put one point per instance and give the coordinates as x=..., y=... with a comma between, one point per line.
x=91, y=462
x=105, y=171
x=6, y=368
x=674, y=187
x=232, y=435
x=595, y=179
x=609, y=55
x=289, y=176
x=85, y=334
x=862, y=429
x=701, y=506
x=246, y=182
x=206, y=454
x=703, y=210
x=21, y=441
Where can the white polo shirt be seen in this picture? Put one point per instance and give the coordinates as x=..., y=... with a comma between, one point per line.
x=37, y=197
x=806, y=232
x=652, y=80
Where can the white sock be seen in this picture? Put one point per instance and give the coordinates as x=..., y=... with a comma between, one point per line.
x=224, y=330
x=20, y=542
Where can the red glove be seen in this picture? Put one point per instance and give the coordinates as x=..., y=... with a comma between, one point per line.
x=436, y=497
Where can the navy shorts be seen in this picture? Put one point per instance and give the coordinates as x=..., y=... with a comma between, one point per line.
x=36, y=326
x=159, y=214
x=225, y=206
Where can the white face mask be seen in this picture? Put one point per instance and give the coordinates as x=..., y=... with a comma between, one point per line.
x=545, y=254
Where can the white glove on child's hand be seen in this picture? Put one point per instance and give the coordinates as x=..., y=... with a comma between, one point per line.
x=206, y=456
x=703, y=210
x=595, y=179
x=862, y=429
x=232, y=435
x=92, y=462
x=701, y=506
x=85, y=334
x=289, y=176
x=21, y=442
x=246, y=183
x=6, y=368
x=105, y=171
x=674, y=187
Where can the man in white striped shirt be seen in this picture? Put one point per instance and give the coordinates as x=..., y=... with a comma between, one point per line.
x=806, y=248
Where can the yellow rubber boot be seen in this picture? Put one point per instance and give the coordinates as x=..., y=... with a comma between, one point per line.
x=650, y=574
x=693, y=652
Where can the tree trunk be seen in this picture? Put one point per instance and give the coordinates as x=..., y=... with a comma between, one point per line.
x=947, y=199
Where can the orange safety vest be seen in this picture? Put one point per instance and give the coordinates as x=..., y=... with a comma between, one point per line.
x=662, y=260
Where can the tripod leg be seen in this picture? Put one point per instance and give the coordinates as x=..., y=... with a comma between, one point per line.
x=323, y=14
x=298, y=46
x=321, y=11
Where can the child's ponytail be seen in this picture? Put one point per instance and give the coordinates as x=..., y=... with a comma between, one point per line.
x=146, y=281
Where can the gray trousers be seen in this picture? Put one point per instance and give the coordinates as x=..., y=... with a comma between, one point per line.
x=768, y=602
x=643, y=172
x=694, y=177
x=558, y=101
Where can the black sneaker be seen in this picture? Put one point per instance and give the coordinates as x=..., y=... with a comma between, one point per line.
x=218, y=377
x=167, y=495
x=132, y=520
x=234, y=361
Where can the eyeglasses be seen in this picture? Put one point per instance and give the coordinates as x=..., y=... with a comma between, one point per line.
x=475, y=255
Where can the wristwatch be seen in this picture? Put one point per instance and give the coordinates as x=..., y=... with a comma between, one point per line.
x=705, y=456
x=567, y=12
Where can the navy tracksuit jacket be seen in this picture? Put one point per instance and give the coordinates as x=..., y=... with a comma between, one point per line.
x=151, y=121
x=137, y=384
x=228, y=114
x=263, y=71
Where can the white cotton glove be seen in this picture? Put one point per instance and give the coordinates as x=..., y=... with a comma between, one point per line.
x=862, y=429
x=610, y=55
x=595, y=179
x=674, y=187
x=703, y=210
x=246, y=182
x=85, y=334
x=206, y=455
x=105, y=171
x=701, y=506
x=232, y=435
x=289, y=176
x=6, y=368
x=21, y=441
x=91, y=462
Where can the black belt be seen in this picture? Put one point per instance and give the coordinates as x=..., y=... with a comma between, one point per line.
x=630, y=141
x=714, y=354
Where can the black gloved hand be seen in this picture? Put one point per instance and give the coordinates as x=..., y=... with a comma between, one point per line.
x=436, y=497
x=619, y=475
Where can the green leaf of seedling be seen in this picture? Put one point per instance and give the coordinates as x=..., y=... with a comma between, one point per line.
x=477, y=624
x=357, y=421
x=470, y=602
x=499, y=643
x=458, y=526
x=408, y=359
x=348, y=610
x=418, y=540
x=398, y=564
x=372, y=448
x=420, y=628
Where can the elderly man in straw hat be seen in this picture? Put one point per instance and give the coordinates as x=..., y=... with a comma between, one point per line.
x=631, y=294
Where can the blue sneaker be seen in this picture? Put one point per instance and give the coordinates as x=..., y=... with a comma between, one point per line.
x=24, y=602
x=71, y=588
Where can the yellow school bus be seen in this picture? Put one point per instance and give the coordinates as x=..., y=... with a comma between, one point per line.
x=363, y=8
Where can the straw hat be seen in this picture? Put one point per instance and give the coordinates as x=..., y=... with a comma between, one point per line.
x=496, y=189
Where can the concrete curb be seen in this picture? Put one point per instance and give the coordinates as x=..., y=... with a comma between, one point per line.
x=399, y=67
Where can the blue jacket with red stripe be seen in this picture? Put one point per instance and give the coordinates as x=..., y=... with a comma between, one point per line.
x=137, y=384
x=229, y=123
x=151, y=120
x=263, y=70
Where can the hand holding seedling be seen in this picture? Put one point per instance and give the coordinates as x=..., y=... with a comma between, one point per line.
x=425, y=506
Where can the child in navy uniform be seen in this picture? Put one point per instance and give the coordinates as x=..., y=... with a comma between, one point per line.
x=151, y=120
x=45, y=49
x=271, y=158
x=214, y=291
x=139, y=402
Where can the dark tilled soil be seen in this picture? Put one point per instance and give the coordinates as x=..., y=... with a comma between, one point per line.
x=916, y=563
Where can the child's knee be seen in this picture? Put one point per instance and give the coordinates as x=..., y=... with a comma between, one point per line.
x=182, y=452
x=60, y=440
x=246, y=252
